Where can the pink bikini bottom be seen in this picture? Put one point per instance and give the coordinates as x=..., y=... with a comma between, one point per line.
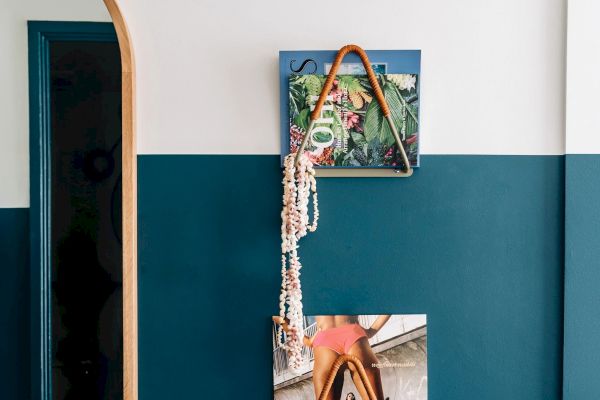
x=341, y=338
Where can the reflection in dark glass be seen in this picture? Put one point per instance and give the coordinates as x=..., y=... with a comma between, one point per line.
x=86, y=221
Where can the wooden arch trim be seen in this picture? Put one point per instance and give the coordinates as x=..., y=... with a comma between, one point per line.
x=129, y=185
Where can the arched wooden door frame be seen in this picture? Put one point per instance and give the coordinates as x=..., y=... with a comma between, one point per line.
x=40, y=35
x=129, y=167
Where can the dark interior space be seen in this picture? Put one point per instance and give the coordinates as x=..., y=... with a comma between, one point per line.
x=86, y=221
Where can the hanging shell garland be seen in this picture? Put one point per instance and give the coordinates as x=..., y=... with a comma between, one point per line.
x=298, y=184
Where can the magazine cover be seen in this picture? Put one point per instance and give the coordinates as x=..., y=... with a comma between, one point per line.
x=392, y=349
x=353, y=131
x=386, y=64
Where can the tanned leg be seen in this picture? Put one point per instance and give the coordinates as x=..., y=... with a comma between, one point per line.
x=324, y=359
x=360, y=388
x=362, y=350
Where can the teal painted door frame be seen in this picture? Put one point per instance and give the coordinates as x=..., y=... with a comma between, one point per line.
x=40, y=35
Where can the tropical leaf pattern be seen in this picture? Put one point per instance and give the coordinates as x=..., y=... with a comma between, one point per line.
x=355, y=132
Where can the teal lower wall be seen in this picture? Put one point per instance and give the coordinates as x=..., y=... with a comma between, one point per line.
x=14, y=303
x=483, y=259
x=582, y=278
x=476, y=242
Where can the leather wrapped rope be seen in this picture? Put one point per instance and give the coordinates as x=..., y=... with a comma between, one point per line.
x=350, y=48
x=314, y=116
x=350, y=359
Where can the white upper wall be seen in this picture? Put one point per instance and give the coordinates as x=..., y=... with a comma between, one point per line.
x=583, y=78
x=492, y=71
x=14, y=100
x=207, y=76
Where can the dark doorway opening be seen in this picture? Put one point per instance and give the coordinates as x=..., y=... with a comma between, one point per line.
x=85, y=220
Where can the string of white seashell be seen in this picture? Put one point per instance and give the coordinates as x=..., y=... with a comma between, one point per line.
x=298, y=184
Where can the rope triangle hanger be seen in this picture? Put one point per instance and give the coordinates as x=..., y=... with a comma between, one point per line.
x=316, y=115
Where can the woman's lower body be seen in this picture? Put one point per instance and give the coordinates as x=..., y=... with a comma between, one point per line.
x=348, y=339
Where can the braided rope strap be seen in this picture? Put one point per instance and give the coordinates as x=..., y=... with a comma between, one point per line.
x=350, y=359
x=314, y=116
